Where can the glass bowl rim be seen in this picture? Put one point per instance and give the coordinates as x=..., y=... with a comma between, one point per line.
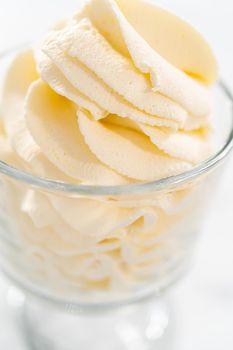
x=134, y=188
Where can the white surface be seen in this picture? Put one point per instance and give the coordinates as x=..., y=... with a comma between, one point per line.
x=203, y=305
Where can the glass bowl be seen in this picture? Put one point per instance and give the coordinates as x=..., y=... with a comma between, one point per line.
x=101, y=258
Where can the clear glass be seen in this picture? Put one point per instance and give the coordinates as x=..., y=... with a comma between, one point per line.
x=101, y=258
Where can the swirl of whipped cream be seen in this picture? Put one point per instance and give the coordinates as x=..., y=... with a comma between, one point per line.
x=117, y=94
x=102, y=105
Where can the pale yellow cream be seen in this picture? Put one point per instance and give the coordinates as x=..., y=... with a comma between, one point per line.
x=125, y=105
x=118, y=94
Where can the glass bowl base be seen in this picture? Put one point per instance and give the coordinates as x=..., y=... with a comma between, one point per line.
x=140, y=326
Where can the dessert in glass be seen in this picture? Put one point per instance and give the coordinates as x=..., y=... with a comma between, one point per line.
x=112, y=136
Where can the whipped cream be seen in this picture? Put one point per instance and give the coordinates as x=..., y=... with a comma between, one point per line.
x=118, y=94
x=125, y=104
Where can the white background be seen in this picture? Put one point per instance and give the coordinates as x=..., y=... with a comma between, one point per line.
x=203, y=306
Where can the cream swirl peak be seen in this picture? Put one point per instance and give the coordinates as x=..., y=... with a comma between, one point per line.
x=117, y=94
